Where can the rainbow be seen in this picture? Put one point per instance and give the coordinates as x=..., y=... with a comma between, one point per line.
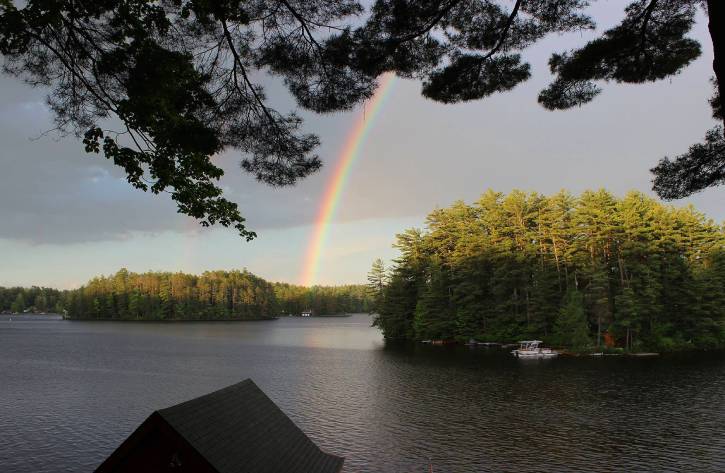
x=336, y=184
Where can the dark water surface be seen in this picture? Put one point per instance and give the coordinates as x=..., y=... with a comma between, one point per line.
x=70, y=392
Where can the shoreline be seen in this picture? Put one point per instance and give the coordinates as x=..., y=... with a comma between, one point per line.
x=256, y=319
x=562, y=351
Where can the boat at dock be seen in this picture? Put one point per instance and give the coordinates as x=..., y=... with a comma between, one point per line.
x=533, y=349
x=438, y=342
x=473, y=343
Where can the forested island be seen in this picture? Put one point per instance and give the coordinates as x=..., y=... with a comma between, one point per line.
x=214, y=295
x=580, y=272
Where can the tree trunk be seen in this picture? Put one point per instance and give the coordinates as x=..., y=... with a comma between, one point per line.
x=556, y=258
x=716, y=25
x=599, y=329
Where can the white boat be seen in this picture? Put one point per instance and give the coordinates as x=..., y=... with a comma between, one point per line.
x=533, y=349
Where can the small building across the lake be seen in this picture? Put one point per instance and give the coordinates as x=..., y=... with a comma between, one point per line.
x=236, y=429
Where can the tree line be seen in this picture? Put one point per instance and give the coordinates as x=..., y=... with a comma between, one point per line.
x=33, y=299
x=576, y=271
x=214, y=295
x=322, y=300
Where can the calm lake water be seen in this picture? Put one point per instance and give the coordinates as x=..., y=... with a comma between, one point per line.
x=70, y=392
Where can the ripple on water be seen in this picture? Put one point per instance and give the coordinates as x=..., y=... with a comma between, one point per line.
x=70, y=392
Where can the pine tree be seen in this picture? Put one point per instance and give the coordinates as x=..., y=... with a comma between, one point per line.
x=377, y=279
x=648, y=274
x=571, y=327
x=434, y=310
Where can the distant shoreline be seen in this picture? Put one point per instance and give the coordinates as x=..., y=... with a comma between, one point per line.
x=287, y=316
x=29, y=314
x=256, y=319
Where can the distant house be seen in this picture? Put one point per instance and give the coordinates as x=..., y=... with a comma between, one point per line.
x=236, y=429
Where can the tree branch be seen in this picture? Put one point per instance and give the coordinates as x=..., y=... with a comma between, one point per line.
x=430, y=26
x=238, y=62
x=505, y=31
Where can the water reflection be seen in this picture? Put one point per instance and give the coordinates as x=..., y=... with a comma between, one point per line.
x=71, y=391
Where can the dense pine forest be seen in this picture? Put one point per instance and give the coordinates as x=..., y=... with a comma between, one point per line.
x=322, y=300
x=214, y=295
x=31, y=300
x=582, y=272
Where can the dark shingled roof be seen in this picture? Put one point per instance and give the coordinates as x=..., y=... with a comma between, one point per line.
x=239, y=428
x=236, y=429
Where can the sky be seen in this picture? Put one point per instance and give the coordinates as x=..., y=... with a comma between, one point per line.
x=66, y=216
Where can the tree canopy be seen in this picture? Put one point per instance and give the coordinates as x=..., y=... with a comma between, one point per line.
x=568, y=269
x=213, y=295
x=161, y=86
x=33, y=299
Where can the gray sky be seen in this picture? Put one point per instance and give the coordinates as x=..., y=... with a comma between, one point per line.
x=66, y=216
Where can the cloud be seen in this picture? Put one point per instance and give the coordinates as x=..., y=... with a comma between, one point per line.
x=51, y=191
x=419, y=155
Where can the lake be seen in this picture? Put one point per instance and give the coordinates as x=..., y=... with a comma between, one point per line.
x=71, y=392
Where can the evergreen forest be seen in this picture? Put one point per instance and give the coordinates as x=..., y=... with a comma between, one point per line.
x=31, y=300
x=214, y=295
x=584, y=271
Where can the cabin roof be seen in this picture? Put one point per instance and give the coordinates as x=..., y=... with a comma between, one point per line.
x=235, y=429
x=239, y=427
